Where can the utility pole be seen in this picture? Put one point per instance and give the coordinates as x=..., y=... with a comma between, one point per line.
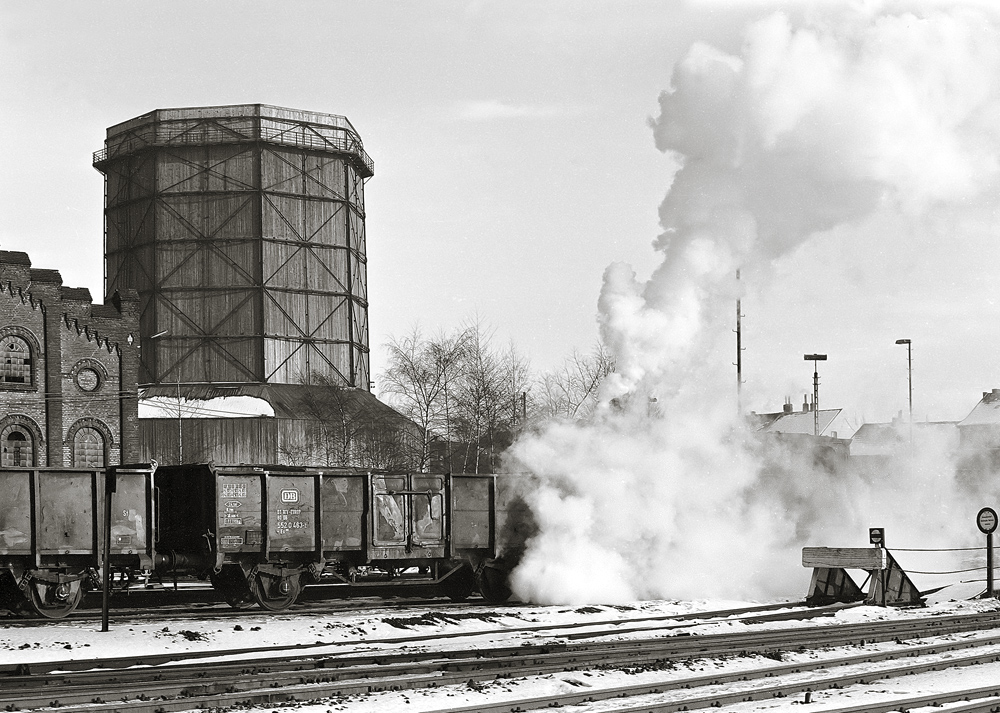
x=739, y=352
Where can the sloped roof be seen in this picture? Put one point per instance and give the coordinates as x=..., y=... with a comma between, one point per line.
x=985, y=413
x=885, y=438
x=798, y=421
x=286, y=401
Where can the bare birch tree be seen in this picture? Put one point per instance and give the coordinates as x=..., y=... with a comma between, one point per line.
x=417, y=383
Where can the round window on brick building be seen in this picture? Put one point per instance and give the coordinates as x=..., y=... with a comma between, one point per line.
x=15, y=361
x=88, y=448
x=18, y=447
x=88, y=379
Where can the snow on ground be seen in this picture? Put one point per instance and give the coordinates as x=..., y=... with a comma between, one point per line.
x=388, y=628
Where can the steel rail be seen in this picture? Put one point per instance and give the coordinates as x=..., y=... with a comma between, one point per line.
x=443, y=667
x=122, y=662
x=684, y=644
x=271, y=687
x=692, y=699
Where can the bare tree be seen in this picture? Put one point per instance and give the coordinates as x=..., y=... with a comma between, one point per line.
x=417, y=382
x=571, y=390
x=479, y=395
x=488, y=393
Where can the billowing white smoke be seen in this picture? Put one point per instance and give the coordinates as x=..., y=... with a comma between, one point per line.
x=811, y=127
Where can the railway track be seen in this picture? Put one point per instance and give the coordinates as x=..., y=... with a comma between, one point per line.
x=207, y=605
x=314, y=673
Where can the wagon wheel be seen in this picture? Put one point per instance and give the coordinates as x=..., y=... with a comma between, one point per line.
x=233, y=587
x=54, y=600
x=493, y=584
x=460, y=584
x=275, y=593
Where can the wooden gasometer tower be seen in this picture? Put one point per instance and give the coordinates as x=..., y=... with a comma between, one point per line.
x=243, y=230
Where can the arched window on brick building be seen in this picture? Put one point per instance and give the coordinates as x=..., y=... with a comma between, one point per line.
x=18, y=447
x=15, y=360
x=89, y=448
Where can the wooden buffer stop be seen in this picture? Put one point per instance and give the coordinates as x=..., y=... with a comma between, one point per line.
x=831, y=583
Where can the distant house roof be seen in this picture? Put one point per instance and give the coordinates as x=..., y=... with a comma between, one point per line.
x=875, y=439
x=986, y=412
x=796, y=421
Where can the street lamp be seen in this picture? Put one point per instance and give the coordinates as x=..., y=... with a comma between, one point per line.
x=814, y=358
x=909, y=377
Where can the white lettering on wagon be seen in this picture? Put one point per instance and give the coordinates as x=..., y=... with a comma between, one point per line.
x=234, y=490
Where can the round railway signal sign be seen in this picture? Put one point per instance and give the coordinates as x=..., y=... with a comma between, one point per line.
x=987, y=520
x=876, y=536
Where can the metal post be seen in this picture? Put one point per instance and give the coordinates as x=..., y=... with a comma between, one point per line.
x=110, y=482
x=989, y=565
x=815, y=400
x=987, y=522
x=814, y=358
x=180, y=433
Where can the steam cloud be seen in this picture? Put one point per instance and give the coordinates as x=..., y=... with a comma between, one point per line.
x=816, y=124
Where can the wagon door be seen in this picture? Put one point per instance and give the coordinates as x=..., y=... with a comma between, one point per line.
x=407, y=517
x=15, y=512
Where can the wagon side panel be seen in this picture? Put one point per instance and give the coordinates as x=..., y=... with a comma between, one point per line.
x=66, y=513
x=473, y=519
x=291, y=511
x=343, y=500
x=15, y=513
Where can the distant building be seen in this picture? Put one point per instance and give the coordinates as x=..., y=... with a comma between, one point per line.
x=981, y=428
x=274, y=423
x=790, y=433
x=68, y=371
x=979, y=441
x=874, y=440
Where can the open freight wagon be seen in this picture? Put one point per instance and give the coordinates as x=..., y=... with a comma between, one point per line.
x=52, y=533
x=261, y=533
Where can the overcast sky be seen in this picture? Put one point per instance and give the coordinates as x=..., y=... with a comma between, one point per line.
x=514, y=162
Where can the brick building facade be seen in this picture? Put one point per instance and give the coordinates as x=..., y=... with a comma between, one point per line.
x=68, y=371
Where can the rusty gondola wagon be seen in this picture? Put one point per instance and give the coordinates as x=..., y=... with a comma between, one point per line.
x=262, y=533
x=52, y=530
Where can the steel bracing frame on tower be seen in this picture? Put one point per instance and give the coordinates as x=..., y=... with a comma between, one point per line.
x=243, y=230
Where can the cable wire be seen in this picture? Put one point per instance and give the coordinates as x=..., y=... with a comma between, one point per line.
x=938, y=549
